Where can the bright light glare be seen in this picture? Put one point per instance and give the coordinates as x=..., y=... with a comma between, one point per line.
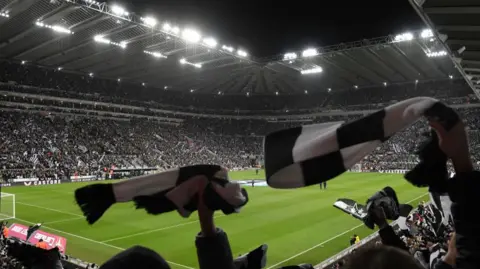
x=56, y=28
x=212, y=43
x=59, y=68
x=242, y=53
x=276, y=93
x=176, y=30
x=404, y=37
x=416, y=81
x=329, y=89
x=355, y=86
x=248, y=94
x=385, y=84
x=101, y=39
x=167, y=27
x=183, y=61
x=123, y=44
x=306, y=92
x=91, y=74
x=197, y=65
x=119, y=79
x=118, y=10
x=312, y=71
x=150, y=21
x=290, y=56
x=192, y=90
x=155, y=54
x=227, y=48
x=23, y=62
x=427, y=33
x=143, y=84
x=191, y=35
x=4, y=14
x=309, y=53
x=437, y=53
x=450, y=76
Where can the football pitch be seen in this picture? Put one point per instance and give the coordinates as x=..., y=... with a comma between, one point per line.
x=299, y=226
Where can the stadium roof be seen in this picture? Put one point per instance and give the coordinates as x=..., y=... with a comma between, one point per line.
x=107, y=41
x=458, y=26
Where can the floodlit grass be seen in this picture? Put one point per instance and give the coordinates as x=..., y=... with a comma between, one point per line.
x=294, y=223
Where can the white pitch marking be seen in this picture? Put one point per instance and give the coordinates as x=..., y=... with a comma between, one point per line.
x=63, y=220
x=328, y=240
x=97, y=242
x=50, y=209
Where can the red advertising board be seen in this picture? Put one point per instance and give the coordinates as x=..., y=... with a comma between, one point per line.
x=20, y=231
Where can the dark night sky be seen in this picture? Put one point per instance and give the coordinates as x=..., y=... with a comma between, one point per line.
x=266, y=28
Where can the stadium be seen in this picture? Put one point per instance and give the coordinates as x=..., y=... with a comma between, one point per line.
x=92, y=93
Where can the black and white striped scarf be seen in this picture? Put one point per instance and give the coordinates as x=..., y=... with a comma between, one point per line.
x=311, y=154
x=176, y=189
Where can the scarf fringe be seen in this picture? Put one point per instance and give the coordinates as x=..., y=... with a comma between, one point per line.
x=94, y=200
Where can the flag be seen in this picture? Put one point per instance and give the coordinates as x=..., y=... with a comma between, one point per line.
x=32, y=229
x=307, y=155
x=351, y=207
x=175, y=189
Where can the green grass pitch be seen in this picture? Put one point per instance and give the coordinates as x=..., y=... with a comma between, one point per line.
x=300, y=226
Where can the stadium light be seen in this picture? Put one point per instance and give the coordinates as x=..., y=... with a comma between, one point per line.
x=329, y=89
x=306, y=92
x=450, y=76
x=149, y=21
x=191, y=35
x=427, y=33
x=219, y=93
x=101, y=39
x=248, y=94
x=183, y=61
x=165, y=87
x=315, y=70
x=404, y=37
x=119, y=11
x=355, y=86
x=227, y=48
x=309, y=53
x=212, y=43
x=176, y=30
x=192, y=90
x=276, y=93
x=4, y=14
x=242, y=53
x=290, y=56
x=167, y=27
x=436, y=53
x=24, y=62
x=91, y=75
x=143, y=84
x=59, y=68
x=119, y=79
x=55, y=28
x=154, y=54
x=198, y=65
x=385, y=84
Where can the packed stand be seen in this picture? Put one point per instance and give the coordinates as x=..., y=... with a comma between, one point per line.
x=56, y=83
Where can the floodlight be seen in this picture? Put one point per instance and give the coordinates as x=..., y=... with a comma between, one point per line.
x=404, y=37
x=59, y=68
x=183, y=61
x=219, y=93
x=355, y=86
x=198, y=65
x=385, y=84
x=118, y=10
x=192, y=90
x=315, y=70
x=212, y=43
x=143, y=84
x=176, y=30
x=306, y=92
x=227, y=48
x=23, y=62
x=309, y=53
x=165, y=87
x=150, y=21
x=90, y=74
x=437, y=53
x=248, y=94
x=276, y=93
x=242, y=53
x=191, y=35
x=427, y=33
x=4, y=14
x=101, y=39
x=329, y=89
x=450, y=76
x=119, y=79
x=290, y=56
x=416, y=81
x=167, y=27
